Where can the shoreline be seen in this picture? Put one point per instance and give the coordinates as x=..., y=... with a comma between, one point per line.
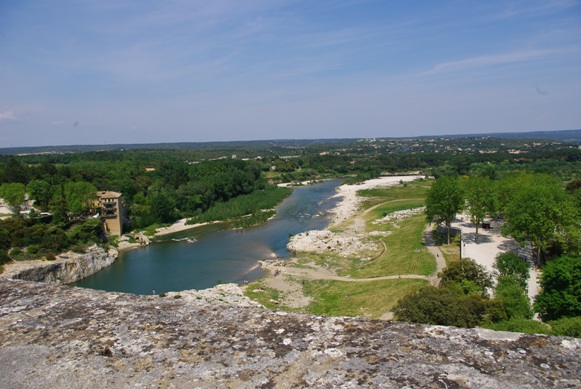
x=349, y=205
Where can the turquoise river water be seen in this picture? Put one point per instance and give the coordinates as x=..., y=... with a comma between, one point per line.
x=202, y=257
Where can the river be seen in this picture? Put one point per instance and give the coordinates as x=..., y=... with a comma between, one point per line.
x=203, y=257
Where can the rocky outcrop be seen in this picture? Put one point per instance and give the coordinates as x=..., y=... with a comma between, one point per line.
x=58, y=336
x=69, y=267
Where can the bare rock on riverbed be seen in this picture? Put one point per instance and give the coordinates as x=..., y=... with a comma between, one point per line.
x=56, y=336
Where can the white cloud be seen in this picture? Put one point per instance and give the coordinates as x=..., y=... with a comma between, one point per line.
x=7, y=115
x=490, y=60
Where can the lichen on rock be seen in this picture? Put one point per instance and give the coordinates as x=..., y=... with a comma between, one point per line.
x=57, y=336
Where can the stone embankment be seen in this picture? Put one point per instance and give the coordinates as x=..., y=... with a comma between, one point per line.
x=68, y=267
x=57, y=336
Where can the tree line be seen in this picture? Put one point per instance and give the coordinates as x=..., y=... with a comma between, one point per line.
x=535, y=208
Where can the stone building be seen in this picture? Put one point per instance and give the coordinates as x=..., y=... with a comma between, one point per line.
x=112, y=211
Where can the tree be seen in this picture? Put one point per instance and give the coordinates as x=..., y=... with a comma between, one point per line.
x=480, y=199
x=561, y=289
x=467, y=273
x=14, y=194
x=441, y=306
x=510, y=264
x=444, y=200
x=81, y=196
x=514, y=296
x=538, y=211
x=40, y=191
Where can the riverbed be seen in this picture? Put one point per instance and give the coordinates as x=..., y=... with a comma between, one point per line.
x=206, y=256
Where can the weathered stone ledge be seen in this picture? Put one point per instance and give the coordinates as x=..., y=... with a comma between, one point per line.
x=58, y=336
x=67, y=268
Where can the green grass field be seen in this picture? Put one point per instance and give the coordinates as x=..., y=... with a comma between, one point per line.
x=405, y=253
x=338, y=298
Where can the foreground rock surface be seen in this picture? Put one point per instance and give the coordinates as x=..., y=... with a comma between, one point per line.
x=57, y=336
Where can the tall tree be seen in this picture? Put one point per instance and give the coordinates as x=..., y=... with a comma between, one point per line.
x=444, y=200
x=81, y=197
x=538, y=211
x=480, y=199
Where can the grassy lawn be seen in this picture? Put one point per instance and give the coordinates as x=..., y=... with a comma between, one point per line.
x=338, y=298
x=405, y=253
x=411, y=190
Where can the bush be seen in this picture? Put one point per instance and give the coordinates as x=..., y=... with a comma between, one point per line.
x=50, y=257
x=561, y=289
x=567, y=326
x=4, y=258
x=516, y=301
x=442, y=306
x=79, y=248
x=16, y=253
x=468, y=273
x=520, y=325
x=33, y=249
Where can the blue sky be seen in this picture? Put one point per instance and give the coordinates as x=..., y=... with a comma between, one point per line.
x=145, y=71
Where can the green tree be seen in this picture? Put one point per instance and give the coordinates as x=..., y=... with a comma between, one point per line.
x=561, y=289
x=510, y=264
x=444, y=200
x=514, y=296
x=14, y=194
x=58, y=206
x=41, y=192
x=480, y=199
x=538, y=211
x=442, y=306
x=467, y=273
x=81, y=197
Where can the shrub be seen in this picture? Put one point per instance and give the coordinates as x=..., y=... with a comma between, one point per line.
x=78, y=248
x=33, y=249
x=567, y=326
x=561, y=289
x=4, y=258
x=468, y=273
x=520, y=325
x=442, y=306
x=16, y=253
x=514, y=296
x=50, y=257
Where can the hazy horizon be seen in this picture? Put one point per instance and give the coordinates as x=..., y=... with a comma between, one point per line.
x=91, y=73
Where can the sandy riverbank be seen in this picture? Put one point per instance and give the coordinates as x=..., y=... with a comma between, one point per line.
x=349, y=205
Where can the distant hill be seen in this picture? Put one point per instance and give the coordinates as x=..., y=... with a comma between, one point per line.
x=570, y=136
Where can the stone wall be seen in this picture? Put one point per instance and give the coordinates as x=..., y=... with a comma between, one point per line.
x=69, y=267
x=58, y=336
